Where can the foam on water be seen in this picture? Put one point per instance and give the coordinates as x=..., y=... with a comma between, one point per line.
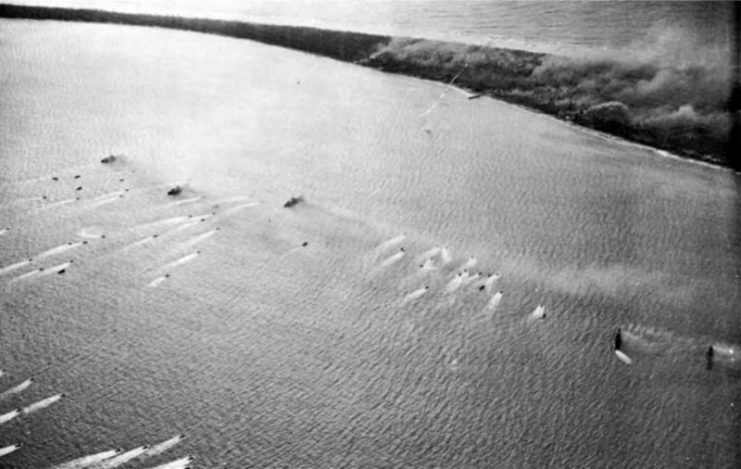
x=42, y=404
x=181, y=463
x=9, y=449
x=89, y=460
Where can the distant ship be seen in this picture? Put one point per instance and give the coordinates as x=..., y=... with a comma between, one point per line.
x=293, y=201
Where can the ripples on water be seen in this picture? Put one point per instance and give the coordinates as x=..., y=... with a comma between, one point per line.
x=205, y=313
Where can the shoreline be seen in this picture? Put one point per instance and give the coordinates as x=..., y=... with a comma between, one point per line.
x=539, y=82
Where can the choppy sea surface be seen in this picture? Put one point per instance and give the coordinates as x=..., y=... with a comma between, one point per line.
x=445, y=295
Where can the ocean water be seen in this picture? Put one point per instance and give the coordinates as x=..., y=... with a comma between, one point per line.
x=206, y=315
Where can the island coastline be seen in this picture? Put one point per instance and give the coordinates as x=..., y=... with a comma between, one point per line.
x=537, y=81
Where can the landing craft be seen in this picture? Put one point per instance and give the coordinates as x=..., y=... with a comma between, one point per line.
x=709, y=357
x=618, y=339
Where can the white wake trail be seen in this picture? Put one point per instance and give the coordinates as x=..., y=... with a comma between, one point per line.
x=197, y=239
x=120, y=459
x=43, y=403
x=9, y=416
x=178, y=262
x=538, y=313
x=237, y=208
x=59, y=249
x=489, y=283
x=16, y=389
x=389, y=243
x=455, y=283
x=9, y=449
x=156, y=282
x=393, y=259
x=416, y=294
x=164, y=446
x=495, y=300
x=12, y=267
x=181, y=463
x=445, y=256
x=89, y=460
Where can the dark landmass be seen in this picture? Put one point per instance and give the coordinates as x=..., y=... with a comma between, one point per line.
x=686, y=110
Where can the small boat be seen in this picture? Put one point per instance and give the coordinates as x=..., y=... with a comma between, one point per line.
x=293, y=201
x=474, y=96
x=108, y=159
x=175, y=191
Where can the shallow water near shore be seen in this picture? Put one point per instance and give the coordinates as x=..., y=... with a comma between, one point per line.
x=204, y=314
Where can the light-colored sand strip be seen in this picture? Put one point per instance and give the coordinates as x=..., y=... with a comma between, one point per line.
x=8, y=449
x=181, y=463
x=16, y=389
x=43, y=403
x=87, y=461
